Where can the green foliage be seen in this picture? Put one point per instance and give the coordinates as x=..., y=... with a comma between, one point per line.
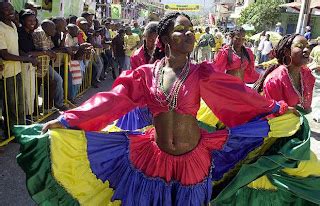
x=263, y=14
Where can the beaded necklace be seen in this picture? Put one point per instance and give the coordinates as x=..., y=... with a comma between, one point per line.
x=300, y=95
x=171, y=99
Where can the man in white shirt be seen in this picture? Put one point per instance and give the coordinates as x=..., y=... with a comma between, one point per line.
x=266, y=49
x=260, y=46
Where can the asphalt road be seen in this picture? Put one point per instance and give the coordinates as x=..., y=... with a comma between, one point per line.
x=12, y=180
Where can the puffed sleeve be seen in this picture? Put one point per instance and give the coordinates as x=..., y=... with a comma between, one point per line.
x=221, y=60
x=134, y=62
x=250, y=74
x=272, y=89
x=230, y=99
x=97, y=112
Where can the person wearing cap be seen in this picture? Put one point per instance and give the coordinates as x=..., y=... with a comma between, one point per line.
x=33, y=6
x=89, y=17
x=307, y=35
x=83, y=25
x=279, y=28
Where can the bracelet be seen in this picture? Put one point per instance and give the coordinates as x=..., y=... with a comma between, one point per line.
x=283, y=107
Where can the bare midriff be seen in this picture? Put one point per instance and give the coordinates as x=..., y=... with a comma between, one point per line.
x=237, y=73
x=176, y=134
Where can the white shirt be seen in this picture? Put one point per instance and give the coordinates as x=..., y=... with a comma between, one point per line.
x=262, y=39
x=267, y=47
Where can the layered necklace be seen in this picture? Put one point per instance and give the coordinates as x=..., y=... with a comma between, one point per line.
x=171, y=98
x=240, y=55
x=300, y=94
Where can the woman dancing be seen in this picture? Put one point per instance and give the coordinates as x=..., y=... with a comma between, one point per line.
x=175, y=162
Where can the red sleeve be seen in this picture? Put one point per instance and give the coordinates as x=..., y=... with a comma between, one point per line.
x=221, y=60
x=105, y=107
x=230, y=99
x=272, y=89
x=134, y=62
x=251, y=75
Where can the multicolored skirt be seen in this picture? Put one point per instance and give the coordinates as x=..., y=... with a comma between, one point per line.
x=258, y=161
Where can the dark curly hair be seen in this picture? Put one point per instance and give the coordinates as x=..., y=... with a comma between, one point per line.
x=238, y=30
x=164, y=27
x=283, y=45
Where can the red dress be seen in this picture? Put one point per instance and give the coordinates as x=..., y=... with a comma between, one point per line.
x=223, y=65
x=279, y=86
x=138, y=58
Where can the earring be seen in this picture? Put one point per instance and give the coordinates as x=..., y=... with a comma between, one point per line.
x=167, y=50
x=284, y=61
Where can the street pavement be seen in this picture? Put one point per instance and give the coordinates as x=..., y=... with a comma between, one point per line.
x=12, y=180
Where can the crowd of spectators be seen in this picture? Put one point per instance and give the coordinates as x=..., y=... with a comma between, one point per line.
x=104, y=44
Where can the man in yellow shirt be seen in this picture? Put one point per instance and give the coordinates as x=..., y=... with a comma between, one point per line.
x=197, y=36
x=131, y=43
x=9, y=52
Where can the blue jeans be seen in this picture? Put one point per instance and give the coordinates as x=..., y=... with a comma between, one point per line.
x=58, y=96
x=126, y=63
x=264, y=58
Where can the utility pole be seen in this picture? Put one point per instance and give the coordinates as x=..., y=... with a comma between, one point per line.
x=303, y=16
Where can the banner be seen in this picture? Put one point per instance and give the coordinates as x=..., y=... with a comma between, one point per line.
x=182, y=7
x=115, y=11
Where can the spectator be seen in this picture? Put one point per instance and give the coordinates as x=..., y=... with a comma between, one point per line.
x=279, y=28
x=118, y=49
x=34, y=7
x=136, y=29
x=97, y=64
x=83, y=25
x=205, y=45
x=9, y=52
x=107, y=57
x=42, y=40
x=307, y=35
x=260, y=46
x=218, y=39
x=131, y=42
x=27, y=48
x=61, y=32
x=75, y=76
x=89, y=17
x=143, y=55
x=72, y=19
x=266, y=49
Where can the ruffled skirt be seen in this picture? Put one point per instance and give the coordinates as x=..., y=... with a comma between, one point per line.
x=72, y=167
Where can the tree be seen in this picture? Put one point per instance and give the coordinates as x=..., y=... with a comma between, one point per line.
x=263, y=14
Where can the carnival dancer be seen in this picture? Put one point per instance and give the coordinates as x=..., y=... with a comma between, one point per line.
x=172, y=163
x=237, y=60
x=291, y=80
x=233, y=59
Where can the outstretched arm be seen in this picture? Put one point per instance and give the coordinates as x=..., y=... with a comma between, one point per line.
x=230, y=99
x=105, y=107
